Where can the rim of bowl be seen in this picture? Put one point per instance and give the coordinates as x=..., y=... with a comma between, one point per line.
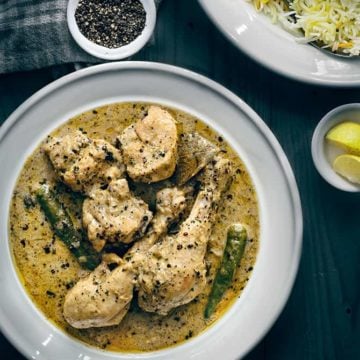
x=119, y=53
x=322, y=165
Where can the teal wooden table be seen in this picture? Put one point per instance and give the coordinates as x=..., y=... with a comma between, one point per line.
x=322, y=317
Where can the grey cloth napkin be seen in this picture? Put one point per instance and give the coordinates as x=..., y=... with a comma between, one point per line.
x=34, y=34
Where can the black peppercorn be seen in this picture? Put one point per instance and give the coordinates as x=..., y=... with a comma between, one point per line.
x=110, y=23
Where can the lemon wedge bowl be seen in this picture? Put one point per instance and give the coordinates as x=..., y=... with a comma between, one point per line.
x=347, y=136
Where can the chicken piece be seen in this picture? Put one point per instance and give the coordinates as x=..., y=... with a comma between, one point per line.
x=194, y=153
x=81, y=162
x=103, y=298
x=173, y=271
x=150, y=146
x=170, y=203
x=149, y=192
x=114, y=214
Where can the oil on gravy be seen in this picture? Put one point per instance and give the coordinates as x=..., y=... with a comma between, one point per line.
x=48, y=270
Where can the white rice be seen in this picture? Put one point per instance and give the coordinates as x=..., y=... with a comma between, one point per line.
x=333, y=23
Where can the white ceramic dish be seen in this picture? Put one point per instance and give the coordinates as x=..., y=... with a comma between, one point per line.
x=248, y=320
x=324, y=154
x=278, y=50
x=118, y=53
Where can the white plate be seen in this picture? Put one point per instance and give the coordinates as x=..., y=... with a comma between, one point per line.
x=248, y=320
x=278, y=50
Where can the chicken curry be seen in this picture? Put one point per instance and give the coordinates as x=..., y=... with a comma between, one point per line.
x=119, y=221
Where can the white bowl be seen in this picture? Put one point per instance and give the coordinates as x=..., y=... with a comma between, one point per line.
x=324, y=154
x=268, y=289
x=118, y=53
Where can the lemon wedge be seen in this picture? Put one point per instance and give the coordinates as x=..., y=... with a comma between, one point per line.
x=348, y=166
x=347, y=136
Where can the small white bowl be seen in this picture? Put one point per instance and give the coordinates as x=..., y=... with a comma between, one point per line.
x=324, y=153
x=118, y=53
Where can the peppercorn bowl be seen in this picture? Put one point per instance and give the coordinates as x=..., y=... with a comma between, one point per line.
x=111, y=32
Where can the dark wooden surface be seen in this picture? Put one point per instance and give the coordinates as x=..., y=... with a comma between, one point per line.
x=322, y=317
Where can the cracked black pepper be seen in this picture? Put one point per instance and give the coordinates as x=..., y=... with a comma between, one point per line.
x=110, y=23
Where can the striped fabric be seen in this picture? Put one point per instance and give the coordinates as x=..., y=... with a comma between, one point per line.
x=34, y=34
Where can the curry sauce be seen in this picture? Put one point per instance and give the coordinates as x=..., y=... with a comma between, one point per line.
x=48, y=270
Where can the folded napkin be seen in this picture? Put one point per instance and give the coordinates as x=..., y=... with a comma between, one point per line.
x=34, y=34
